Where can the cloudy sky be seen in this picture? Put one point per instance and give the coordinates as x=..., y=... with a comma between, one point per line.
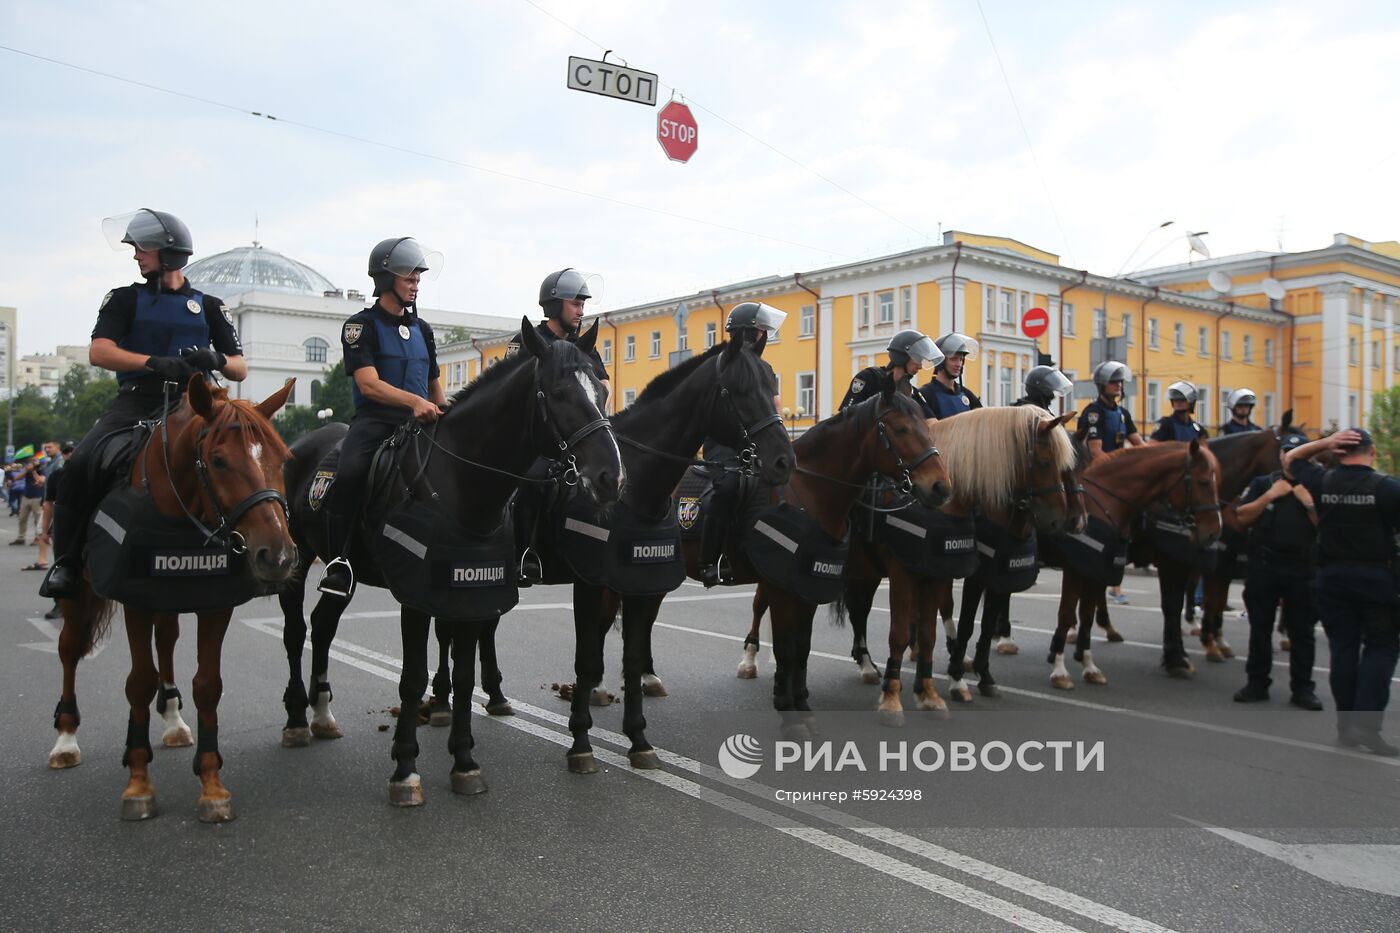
x=829, y=131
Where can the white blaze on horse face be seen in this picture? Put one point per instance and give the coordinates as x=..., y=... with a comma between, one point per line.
x=256, y=452
x=586, y=382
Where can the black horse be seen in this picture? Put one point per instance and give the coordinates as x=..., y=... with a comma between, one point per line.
x=541, y=403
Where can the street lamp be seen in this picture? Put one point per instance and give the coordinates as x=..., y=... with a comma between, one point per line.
x=1161, y=226
x=790, y=418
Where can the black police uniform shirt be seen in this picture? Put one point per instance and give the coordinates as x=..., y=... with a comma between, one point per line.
x=160, y=322
x=1280, y=540
x=389, y=343
x=1110, y=425
x=1234, y=427
x=543, y=329
x=945, y=403
x=1172, y=428
x=867, y=384
x=1027, y=400
x=1358, y=516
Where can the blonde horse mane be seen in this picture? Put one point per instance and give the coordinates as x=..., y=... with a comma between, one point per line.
x=987, y=452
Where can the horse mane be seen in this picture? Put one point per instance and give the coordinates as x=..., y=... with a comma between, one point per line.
x=662, y=387
x=863, y=414
x=985, y=451
x=488, y=377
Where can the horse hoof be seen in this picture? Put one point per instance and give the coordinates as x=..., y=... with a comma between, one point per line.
x=468, y=783
x=406, y=793
x=500, y=709
x=1182, y=672
x=139, y=808
x=583, y=763
x=893, y=718
x=216, y=810
x=988, y=689
x=299, y=737
x=177, y=738
x=440, y=717
x=868, y=675
x=1284, y=644
x=1062, y=682
x=645, y=760
x=600, y=697
x=1008, y=647
x=1095, y=677
x=1072, y=636
x=1214, y=655
x=1114, y=635
x=65, y=752
x=1225, y=650
x=960, y=695
x=326, y=730
x=654, y=687
x=1195, y=630
x=747, y=670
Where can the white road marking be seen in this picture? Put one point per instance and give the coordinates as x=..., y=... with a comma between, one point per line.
x=1364, y=867
x=51, y=632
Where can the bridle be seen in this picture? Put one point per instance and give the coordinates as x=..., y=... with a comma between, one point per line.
x=748, y=452
x=906, y=480
x=1186, y=514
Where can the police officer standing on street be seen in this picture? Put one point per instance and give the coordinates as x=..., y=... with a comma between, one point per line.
x=1107, y=426
x=747, y=322
x=1241, y=404
x=562, y=296
x=391, y=359
x=1358, y=579
x=154, y=335
x=1181, y=424
x=909, y=351
x=946, y=392
x=1281, y=517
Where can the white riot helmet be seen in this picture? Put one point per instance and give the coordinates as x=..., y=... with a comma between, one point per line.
x=1184, y=392
x=1241, y=397
x=1112, y=371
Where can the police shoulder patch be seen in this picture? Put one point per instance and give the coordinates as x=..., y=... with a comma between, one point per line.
x=223, y=309
x=105, y=298
x=352, y=331
x=857, y=385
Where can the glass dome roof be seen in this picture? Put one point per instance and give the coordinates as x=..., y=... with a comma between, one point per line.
x=254, y=267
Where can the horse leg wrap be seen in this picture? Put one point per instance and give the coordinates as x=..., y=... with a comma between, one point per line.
x=138, y=736
x=749, y=642
x=70, y=707
x=208, y=742
x=167, y=694
x=892, y=669
x=923, y=670
x=320, y=687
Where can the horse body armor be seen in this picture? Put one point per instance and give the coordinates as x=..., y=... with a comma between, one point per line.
x=929, y=543
x=789, y=550
x=628, y=553
x=1010, y=563
x=1099, y=553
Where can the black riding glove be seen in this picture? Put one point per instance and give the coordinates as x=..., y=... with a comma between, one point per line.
x=171, y=368
x=204, y=359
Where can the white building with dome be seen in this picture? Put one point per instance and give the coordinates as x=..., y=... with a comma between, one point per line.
x=289, y=315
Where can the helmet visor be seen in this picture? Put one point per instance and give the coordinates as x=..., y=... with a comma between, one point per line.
x=1115, y=372
x=409, y=256
x=768, y=319
x=954, y=344
x=141, y=229
x=1058, y=384
x=573, y=285
x=925, y=351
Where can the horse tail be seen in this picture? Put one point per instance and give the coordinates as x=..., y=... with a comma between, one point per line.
x=838, y=611
x=92, y=620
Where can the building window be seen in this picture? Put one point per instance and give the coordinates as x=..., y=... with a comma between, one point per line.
x=1351, y=408
x=1008, y=313
x=1203, y=401
x=1179, y=336
x=1100, y=322
x=1128, y=328
x=1154, y=399
x=607, y=351
x=885, y=302
x=315, y=349
x=655, y=344
x=1268, y=410
x=1396, y=365
x=710, y=330
x=807, y=393
x=1006, y=381
x=683, y=340
x=1153, y=339
x=1067, y=319
x=864, y=312
x=989, y=304
x=1248, y=348
x=906, y=305
x=1025, y=303
x=628, y=395
x=1225, y=352
x=1351, y=351
x=629, y=349
x=315, y=391
x=1376, y=355
x=807, y=321
x=1268, y=351
x=1203, y=341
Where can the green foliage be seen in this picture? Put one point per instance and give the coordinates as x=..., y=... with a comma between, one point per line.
x=80, y=400
x=1385, y=428
x=32, y=418
x=335, y=393
x=295, y=421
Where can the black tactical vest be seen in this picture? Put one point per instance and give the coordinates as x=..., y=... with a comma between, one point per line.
x=1349, y=527
x=1284, y=532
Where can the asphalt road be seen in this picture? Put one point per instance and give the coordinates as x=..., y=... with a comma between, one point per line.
x=1204, y=815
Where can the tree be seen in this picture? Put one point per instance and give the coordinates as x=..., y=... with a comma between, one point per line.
x=1385, y=429
x=295, y=421
x=80, y=400
x=33, y=418
x=335, y=393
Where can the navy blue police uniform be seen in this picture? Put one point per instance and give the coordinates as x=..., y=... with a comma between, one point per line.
x=1234, y=427
x=1172, y=428
x=149, y=321
x=866, y=384
x=1358, y=517
x=403, y=353
x=945, y=403
x=1110, y=425
x=549, y=336
x=1280, y=567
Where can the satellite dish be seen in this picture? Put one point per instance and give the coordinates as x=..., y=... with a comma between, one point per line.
x=1198, y=245
x=1220, y=282
x=1273, y=289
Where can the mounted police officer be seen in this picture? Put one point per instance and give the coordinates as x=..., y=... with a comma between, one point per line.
x=1181, y=424
x=748, y=322
x=1358, y=579
x=945, y=392
x=562, y=296
x=1281, y=517
x=1044, y=386
x=391, y=358
x=1241, y=403
x=154, y=335
x=1106, y=426
x=909, y=351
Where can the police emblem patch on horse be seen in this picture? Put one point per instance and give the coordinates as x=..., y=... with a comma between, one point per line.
x=320, y=485
x=512, y=348
x=194, y=306
x=352, y=333
x=688, y=511
x=857, y=384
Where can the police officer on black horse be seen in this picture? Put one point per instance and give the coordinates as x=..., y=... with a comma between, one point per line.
x=1105, y=425
x=1358, y=579
x=391, y=359
x=946, y=392
x=909, y=351
x=1181, y=424
x=747, y=322
x=154, y=335
x=1241, y=403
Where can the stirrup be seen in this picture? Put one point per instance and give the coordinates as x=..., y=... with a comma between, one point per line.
x=531, y=568
x=724, y=570
x=327, y=588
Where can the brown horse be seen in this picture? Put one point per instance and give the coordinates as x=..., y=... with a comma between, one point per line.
x=1119, y=488
x=885, y=434
x=220, y=459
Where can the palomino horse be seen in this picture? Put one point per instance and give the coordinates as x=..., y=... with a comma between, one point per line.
x=1004, y=462
x=886, y=434
x=541, y=403
x=221, y=460
x=1119, y=488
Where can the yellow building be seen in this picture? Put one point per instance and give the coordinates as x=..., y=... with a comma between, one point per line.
x=1321, y=345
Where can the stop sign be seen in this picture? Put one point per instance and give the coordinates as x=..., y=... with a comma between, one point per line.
x=1035, y=322
x=677, y=132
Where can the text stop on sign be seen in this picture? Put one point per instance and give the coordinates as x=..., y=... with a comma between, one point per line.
x=677, y=132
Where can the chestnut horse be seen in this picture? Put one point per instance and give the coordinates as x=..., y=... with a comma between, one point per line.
x=220, y=460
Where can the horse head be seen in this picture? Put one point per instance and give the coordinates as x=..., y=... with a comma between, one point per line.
x=1197, y=495
x=1078, y=509
x=742, y=413
x=233, y=459
x=570, y=404
x=1052, y=456
x=904, y=450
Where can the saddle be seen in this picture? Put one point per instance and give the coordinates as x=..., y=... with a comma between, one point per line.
x=115, y=454
x=693, y=497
